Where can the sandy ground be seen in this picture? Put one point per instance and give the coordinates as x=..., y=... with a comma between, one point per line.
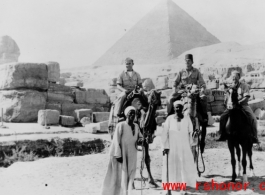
x=84, y=175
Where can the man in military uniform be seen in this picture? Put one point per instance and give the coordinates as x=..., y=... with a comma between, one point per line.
x=190, y=75
x=126, y=82
x=243, y=94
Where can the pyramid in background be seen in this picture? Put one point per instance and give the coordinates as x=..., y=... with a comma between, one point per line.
x=162, y=35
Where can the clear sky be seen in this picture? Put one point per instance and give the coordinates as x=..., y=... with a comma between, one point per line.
x=78, y=32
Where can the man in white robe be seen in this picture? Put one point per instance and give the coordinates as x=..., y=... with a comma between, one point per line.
x=123, y=157
x=176, y=141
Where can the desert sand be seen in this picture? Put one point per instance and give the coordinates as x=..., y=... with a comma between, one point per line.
x=84, y=175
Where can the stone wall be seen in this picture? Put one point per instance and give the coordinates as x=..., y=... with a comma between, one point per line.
x=26, y=88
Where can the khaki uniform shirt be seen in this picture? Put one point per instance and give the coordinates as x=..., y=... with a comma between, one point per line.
x=129, y=82
x=193, y=77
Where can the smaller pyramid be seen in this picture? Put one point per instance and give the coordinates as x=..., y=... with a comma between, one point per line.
x=162, y=35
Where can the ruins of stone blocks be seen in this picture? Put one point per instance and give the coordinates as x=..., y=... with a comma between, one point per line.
x=27, y=88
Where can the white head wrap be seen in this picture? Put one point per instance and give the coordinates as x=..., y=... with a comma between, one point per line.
x=128, y=109
x=178, y=102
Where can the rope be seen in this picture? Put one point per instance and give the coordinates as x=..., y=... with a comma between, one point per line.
x=197, y=159
x=142, y=163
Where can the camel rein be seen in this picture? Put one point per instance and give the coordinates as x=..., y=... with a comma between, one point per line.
x=197, y=159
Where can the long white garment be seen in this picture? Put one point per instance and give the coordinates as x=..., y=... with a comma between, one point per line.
x=120, y=176
x=176, y=137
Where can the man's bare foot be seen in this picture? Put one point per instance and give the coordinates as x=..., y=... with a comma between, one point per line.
x=152, y=184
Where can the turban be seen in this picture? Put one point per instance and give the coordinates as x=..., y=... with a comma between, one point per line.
x=128, y=109
x=189, y=57
x=128, y=60
x=177, y=102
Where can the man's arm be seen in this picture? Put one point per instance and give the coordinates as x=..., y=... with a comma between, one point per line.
x=139, y=80
x=246, y=95
x=176, y=82
x=120, y=84
x=201, y=81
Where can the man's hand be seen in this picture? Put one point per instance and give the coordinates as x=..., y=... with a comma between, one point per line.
x=120, y=160
x=127, y=92
x=166, y=151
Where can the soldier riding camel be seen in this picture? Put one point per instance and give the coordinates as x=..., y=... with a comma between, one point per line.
x=126, y=82
x=186, y=76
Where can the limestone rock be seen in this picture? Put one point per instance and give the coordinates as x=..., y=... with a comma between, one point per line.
x=75, y=84
x=161, y=82
x=66, y=75
x=69, y=109
x=257, y=113
x=83, y=113
x=219, y=95
x=103, y=127
x=92, y=128
x=216, y=107
x=23, y=75
x=60, y=93
x=53, y=71
x=85, y=120
x=52, y=117
x=9, y=51
x=62, y=81
x=92, y=96
x=100, y=116
x=67, y=121
x=257, y=103
x=54, y=106
x=22, y=105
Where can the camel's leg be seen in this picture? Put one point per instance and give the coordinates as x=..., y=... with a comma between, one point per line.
x=148, y=167
x=244, y=163
x=251, y=174
x=203, y=135
x=238, y=153
x=233, y=160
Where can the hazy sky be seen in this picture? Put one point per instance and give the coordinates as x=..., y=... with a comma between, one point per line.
x=78, y=32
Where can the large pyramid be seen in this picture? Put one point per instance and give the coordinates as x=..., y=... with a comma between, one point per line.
x=162, y=35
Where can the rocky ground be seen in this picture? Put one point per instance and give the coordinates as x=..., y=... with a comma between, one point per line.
x=85, y=174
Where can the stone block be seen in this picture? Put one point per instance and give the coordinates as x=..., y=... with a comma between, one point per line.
x=92, y=96
x=69, y=109
x=51, y=116
x=161, y=82
x=80, y=113
x=92, y=128
x=60, y=93
x=23, y=76
x=22, y=105
x=103, y=127
x=54, y=106
x=67, y=121
x=85, y=120
x=53, y=71
x=100, y=116
x=74, y=84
